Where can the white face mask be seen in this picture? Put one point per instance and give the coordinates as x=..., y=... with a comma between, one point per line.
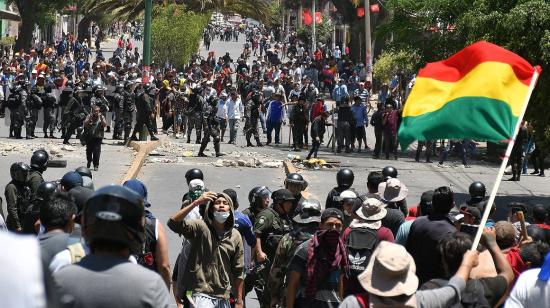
x=221, y=217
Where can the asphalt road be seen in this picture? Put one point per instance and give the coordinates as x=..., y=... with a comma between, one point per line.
x=166, y=182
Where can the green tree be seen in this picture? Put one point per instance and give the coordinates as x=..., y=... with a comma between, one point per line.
x=33, y=12
x=323, y=32
x=391, y=62
x=175, y=34
x=439, y=28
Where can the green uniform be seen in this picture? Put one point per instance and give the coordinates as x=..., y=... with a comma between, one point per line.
x=285, y=251
x=18, y=197
x=270, y=227
x=35, y=179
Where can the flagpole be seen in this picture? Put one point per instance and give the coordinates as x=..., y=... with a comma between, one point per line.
x=504, y=162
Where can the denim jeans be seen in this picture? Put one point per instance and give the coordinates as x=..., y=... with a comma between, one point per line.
x=233, y=128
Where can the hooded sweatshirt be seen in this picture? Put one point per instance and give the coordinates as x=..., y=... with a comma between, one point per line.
x=215, y=261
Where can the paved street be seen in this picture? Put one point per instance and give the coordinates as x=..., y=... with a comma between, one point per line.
x=164, y=175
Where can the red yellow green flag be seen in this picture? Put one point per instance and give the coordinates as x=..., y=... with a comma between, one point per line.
x=478, y=93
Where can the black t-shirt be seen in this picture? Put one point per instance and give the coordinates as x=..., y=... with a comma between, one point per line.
x=494, y=288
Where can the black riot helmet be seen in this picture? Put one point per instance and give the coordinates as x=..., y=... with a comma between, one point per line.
x=293, y=179
x=389, y=172
x=39, y=160
x=115, y=214
x=344, y=178
x=212, y=101
x=193, y=174
x=45, y=190
x=477, y=190
x=19, y=172
x=83, y=171
x=257, y=194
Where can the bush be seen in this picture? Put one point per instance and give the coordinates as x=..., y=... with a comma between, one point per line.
x=391, y=62
x=176, y=34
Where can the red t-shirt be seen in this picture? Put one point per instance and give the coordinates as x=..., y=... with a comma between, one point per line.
x=544, y=226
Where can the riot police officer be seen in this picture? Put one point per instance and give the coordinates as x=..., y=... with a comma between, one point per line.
x=298, y=120
x=252, y=115
x=344, y=181
x=258, y=198
x=18, y=196
x=39, y=164
x=194, y=113
x=43, y=193
x=17, y=104
x=144, y=112
x=211, y=127
x=64, y=100
x=477, y=193
x=270, y=226
x=49, y=102
x=74, y=114
x=118, y=109
x=295, y=183
x=129, y=106
x=99, y=99
x=34, y=104
x=389, y=172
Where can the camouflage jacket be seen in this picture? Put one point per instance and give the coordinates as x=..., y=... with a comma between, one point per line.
x=285, y=251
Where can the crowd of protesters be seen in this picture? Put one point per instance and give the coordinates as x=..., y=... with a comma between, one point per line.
x=366, y=248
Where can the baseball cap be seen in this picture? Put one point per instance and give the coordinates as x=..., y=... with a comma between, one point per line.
x=332, y=212
x=138, y=187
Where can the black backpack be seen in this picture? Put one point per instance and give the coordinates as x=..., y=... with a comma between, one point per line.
x=472, y=297
x=361, y=243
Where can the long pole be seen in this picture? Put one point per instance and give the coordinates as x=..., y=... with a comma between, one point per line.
x=147, y=33
x=368, y=43
x=313, y=43
x=504, y=162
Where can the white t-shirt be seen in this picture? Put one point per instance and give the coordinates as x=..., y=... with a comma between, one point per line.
x=529, y=291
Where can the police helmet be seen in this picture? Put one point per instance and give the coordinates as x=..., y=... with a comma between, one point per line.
x=295, y=178
x=477, y=190
x=212, y=100
x=45, y=190
x=83, y=171
x=389, y=172
x=344, y=178
x=115, y=213
x=39, y=160
x=308, y=211
x=256, y=195
x=193, y=174
x=19, y=172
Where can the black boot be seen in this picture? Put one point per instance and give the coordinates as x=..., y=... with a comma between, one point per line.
x=188, y=138
x=153, y=137
x=198, y=138
x=217, y=149
x=201, y=150
x=248, y=143
x=258, y=143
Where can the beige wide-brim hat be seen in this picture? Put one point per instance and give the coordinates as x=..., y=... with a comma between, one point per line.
x=392, y=190
x=390, y=272
x=371, y=210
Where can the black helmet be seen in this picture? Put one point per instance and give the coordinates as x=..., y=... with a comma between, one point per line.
x=344, y=178
x=281, y=195
x=19, y=171
x=45, y=190
x=257, y=194
x=295, y=178
x=212, y=100
x=115, y=213
x=83, y=171
x=193, y=174
x=477, y=190
x=39, y=160
x=389, y=172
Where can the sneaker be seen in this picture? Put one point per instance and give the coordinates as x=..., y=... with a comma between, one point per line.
x=541, y=175
x=154, y=138
x=202, y=155
x=96, y=168
x=466, y=166
x=535, y=172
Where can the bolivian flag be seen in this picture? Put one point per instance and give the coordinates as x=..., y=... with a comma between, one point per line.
x=479, y=93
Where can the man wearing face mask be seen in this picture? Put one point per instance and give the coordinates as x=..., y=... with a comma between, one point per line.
x=270, y=226
x=318, y=267
x=216, y=259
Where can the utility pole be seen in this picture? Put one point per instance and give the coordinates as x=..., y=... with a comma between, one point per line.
x=368, y=43
x=147, y=33
x=313, y=36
